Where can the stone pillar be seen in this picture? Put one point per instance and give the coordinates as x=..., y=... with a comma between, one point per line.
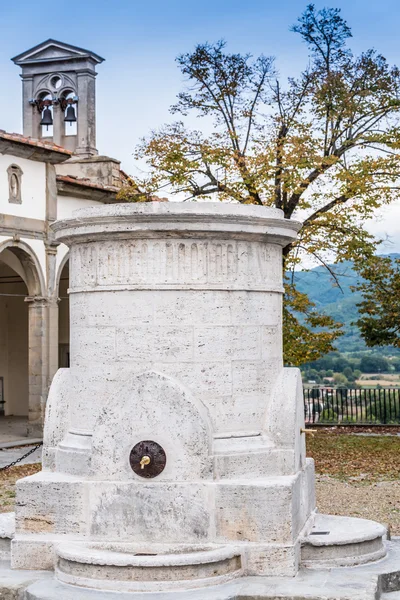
x=51, y=196
x=52, y=288
x=37, y=361
x=29, y=111
x=52, y=339
x=58, y=124
x=86, y=126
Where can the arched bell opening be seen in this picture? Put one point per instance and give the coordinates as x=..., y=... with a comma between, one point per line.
x=45, y=107
x=69, y=107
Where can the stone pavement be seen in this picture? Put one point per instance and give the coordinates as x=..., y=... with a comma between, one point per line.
x=13, y=429
x=9, y=455
x=356, y=583
x=13, y=435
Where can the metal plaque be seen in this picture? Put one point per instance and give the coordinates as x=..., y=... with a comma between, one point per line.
x=147, y=459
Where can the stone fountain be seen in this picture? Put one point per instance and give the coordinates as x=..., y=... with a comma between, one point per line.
x=174, y=458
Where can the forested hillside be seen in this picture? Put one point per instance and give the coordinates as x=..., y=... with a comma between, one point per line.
x=338, y=302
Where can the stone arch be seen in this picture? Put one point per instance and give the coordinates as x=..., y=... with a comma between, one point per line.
x=61, y=266
x=31, y=321
x=33, y=273
x=61, y=289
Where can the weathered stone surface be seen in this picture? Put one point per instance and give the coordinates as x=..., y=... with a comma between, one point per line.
x=145, y=512
x=242, y=513
x=116, y=568
x=50, y=503
x=153, y=407
x=57, y=417
x=176, y=338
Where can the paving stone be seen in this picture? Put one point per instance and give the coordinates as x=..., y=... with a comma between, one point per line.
x=8, y=456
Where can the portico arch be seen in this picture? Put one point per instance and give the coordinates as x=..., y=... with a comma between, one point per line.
x=32, y=272
x=23, y=320
x=63, y=312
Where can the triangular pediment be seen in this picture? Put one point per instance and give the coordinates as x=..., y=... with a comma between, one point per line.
x=54, y=51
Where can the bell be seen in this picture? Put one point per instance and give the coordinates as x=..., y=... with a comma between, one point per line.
x=70, y=117
x=47, y=118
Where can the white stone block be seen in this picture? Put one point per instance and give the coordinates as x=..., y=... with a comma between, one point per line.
x=221, y=343
x=208, y=307
x=92, y=344
x=130, y=309
x=30, y=553
x=155, y=343
x=255, y=511
x=272, y=342
x=150, y=512
x=50, y=503
x=254, y=308
x=273, y=561
x=204, y=379
x=254, y=377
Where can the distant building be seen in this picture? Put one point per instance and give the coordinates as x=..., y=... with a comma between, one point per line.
x=45, y=174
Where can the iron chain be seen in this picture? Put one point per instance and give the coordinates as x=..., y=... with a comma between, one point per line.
x=15, y=462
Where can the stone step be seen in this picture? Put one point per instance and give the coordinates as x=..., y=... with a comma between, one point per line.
x=243, y=589
x=358, y=583
x=7, y=530
x=342, y=542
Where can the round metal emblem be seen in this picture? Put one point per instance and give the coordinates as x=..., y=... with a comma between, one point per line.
x=147, y=459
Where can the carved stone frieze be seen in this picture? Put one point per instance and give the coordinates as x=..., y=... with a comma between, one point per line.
x=174, y=264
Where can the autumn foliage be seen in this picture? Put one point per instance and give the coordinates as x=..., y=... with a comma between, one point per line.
x=323, y=147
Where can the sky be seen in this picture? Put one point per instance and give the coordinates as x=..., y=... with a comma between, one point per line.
x=140, y=40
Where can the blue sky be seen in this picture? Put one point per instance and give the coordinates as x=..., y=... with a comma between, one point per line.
x=140, y=41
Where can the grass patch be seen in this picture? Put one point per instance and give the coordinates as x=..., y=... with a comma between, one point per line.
x=8, y=478
x=347, y=456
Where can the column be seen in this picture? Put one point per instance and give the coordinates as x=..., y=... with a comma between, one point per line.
x=37, y=361
x=52, y=313
x=86, y=127
x=58, y=124
x=29, y=111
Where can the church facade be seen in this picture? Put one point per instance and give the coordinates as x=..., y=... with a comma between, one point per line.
x=45, y=174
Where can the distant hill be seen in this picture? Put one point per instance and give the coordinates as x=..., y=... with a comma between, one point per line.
x=339, y=303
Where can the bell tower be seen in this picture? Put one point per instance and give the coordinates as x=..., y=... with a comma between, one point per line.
x=59, y=95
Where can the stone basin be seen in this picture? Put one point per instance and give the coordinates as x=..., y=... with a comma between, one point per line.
x=129, y=568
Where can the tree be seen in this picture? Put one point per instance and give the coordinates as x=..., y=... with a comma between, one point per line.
x=374, y=364
x=379, y=310
x=348, y=372
x=339, y=379
x=323, y=145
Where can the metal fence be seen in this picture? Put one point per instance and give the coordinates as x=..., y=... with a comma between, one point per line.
x=369, y=406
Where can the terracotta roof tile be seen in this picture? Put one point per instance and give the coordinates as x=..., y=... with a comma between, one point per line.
x=98, y=186
x=87, y=183
x=16, y=137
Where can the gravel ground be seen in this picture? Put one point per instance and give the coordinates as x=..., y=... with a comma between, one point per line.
x=358, y=473
x=379, y=501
